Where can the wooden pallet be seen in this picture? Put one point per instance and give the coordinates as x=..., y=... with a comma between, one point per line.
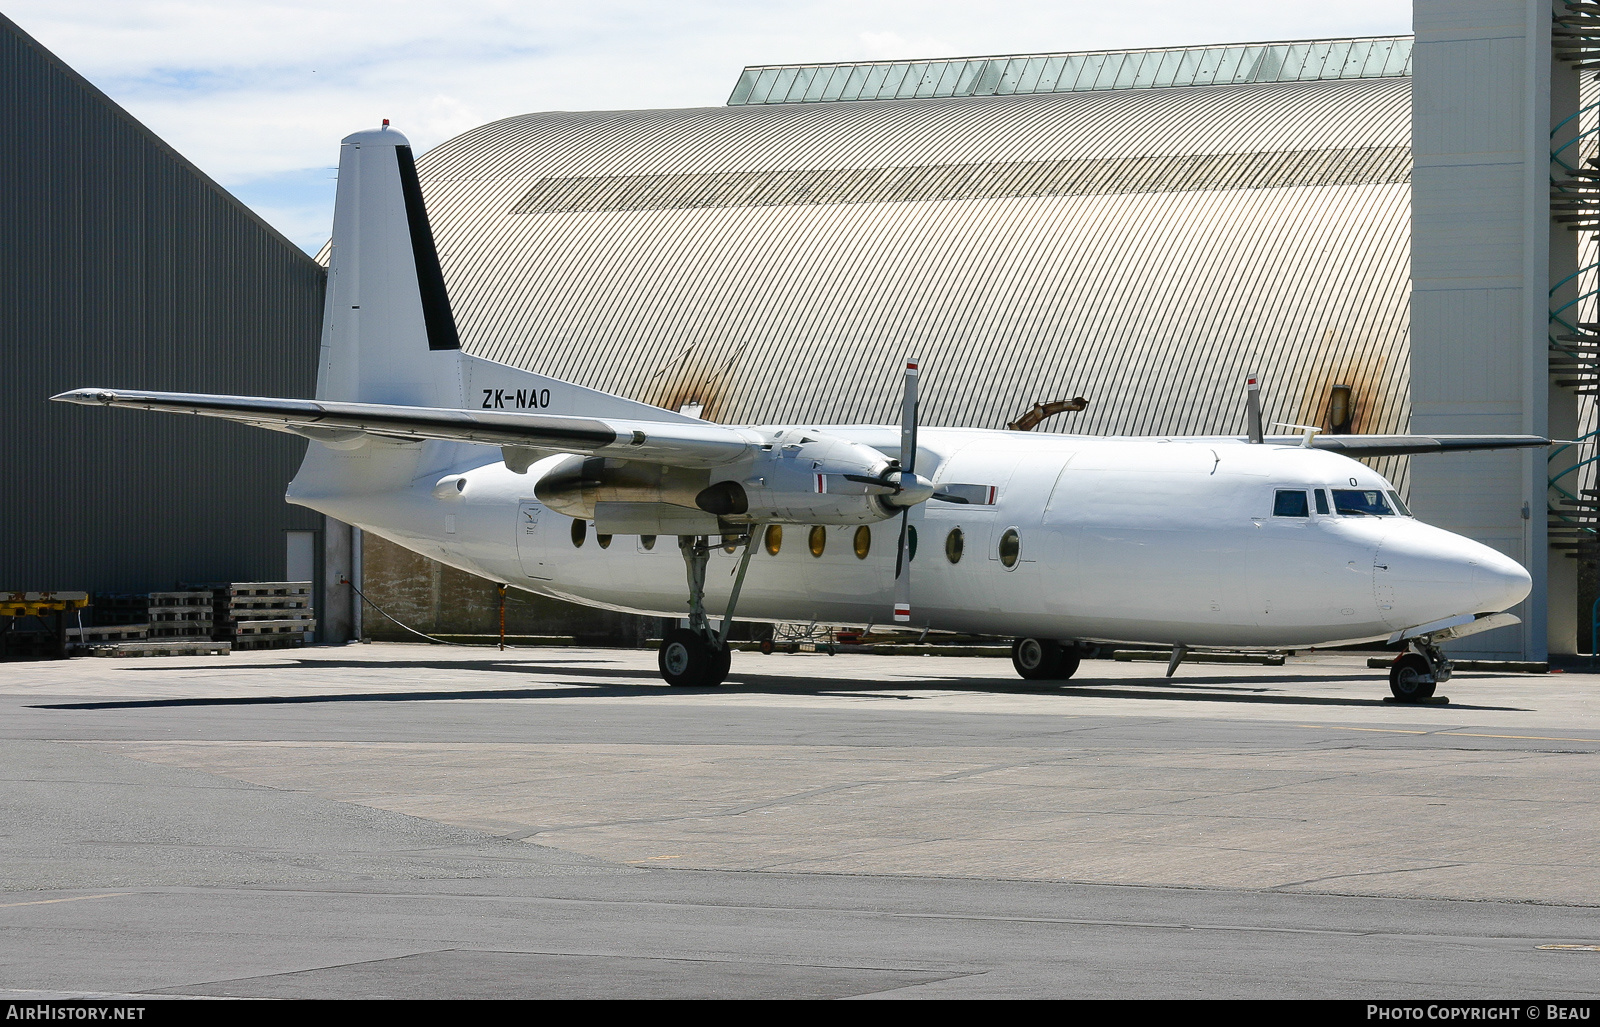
x=190, y=631
x=294, y=641
x=165, y=600
x=192, y=647
x=108, y=633
x=245, y=628
x=263, y=614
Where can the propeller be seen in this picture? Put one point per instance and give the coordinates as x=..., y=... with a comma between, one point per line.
x=911, y=488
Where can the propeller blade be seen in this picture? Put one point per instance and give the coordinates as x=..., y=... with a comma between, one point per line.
x=908, y=469
x=902, y=574
x=945, y=497
x=1252, y=408
x=908, y=420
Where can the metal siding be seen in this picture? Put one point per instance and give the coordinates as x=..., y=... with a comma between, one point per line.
x=123, y=265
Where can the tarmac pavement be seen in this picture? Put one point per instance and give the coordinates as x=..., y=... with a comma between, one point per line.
x=429, y=821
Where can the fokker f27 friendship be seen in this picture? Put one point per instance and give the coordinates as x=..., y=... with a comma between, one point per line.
x=1052, y=540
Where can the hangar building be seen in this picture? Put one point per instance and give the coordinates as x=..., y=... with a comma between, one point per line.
x=123, y=264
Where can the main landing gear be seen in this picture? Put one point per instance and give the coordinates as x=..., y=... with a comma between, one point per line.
x=1415, y=673
x=697, y=656
x=1040, y=659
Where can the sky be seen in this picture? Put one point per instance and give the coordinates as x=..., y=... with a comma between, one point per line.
x=258, y=93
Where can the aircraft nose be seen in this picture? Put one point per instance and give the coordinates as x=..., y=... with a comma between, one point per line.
x=1499, y=581
x=1423, y=573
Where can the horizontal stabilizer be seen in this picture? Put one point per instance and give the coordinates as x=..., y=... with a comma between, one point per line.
x=1402, y=445
x=692, y=444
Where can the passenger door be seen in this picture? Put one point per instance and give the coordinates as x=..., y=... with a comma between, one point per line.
x=530, y=547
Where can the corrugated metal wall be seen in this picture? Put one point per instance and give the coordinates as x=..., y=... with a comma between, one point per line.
x=121, y=264
x=775, y=263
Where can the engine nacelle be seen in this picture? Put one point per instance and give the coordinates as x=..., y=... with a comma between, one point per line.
x=797, y=477
x=576, y=484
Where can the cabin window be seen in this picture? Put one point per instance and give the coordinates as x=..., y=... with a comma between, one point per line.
x=1291, y=503
x=818, y=539
x=580, y=531
x=604, y=540
x=1011, y=548
x=863, y=542
x=647, y=542
x=1399, y=504
x=774, y=539
x=1361, y=503
x=954, y=543
x=1322, y=501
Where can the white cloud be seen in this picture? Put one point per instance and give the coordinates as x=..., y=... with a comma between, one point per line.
x=258, y=92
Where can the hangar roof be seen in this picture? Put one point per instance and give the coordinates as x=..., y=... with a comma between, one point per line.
x=1143, y=247
x=1305, y=60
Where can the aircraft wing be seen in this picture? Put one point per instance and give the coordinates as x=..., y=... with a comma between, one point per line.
x=1400, y=445
x=667, y=442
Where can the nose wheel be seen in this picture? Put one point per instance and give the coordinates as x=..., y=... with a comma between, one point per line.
x=1416, y=673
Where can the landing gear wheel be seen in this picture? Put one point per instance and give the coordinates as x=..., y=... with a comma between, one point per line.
x=1411, y=678
x=1039, y=659
x=687, y=660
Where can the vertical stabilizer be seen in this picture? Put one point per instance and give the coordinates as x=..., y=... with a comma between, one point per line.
x=388, y=335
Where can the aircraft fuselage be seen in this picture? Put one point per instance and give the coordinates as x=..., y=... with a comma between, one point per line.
x=1132, y=540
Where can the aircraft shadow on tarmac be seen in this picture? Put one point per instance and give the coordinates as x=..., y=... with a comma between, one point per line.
x=583, y=684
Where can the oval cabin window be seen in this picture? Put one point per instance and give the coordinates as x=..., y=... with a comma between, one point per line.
x=1010, y=548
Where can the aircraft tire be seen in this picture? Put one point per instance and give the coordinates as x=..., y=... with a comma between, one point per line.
x=1040, y=659
x=686, y=661
x=1411, y=678
x=721, y=662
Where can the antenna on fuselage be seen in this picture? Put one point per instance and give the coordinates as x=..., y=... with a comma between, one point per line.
x=1252, y=408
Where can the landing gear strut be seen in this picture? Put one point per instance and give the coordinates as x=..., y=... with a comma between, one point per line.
x=1039, y=659
x=1415, y=673
x=697, y=656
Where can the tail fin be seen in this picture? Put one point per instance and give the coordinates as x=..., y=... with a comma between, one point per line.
x=388, y=334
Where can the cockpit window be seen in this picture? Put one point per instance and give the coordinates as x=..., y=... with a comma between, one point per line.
x=1361, y=502
x=1290, y=503
x=1399, y=504
x=1322, y=501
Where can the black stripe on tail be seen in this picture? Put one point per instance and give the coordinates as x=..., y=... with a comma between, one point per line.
x=436, y=314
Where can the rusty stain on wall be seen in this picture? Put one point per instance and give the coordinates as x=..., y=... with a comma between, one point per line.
x=1377, y=394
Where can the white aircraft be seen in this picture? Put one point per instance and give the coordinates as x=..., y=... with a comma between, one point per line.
x=1053, y=540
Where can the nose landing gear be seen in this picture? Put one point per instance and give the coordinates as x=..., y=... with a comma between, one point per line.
x=1415, y=673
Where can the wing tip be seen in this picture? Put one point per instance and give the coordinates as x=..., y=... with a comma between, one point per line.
x=84, y=397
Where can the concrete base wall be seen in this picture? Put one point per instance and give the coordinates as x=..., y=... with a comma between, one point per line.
x=435, y=599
